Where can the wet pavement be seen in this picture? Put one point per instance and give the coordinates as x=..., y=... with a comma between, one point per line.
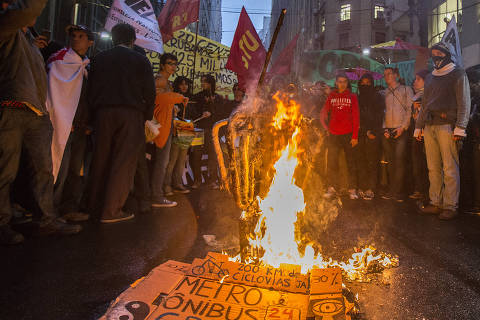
x=77, y=277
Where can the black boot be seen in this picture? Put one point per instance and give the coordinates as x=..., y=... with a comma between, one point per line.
x=9, y=237
x=59, y=226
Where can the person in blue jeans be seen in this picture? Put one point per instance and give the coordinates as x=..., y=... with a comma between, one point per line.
x=444, y=118
x=398, y=101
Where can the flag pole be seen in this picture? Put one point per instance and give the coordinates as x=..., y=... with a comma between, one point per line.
x=195, y=56
x=272, y=46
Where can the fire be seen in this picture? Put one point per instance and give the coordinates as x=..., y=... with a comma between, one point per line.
x=284, y=205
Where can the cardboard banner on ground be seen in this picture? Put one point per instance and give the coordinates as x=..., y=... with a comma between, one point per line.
x=173, y=291
x=140, y=15
x=211, y=58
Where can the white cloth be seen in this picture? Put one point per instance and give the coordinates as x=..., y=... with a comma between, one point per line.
x=65, y=78
x=445, y=70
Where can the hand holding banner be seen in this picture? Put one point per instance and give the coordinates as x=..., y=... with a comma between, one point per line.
x=140, y=15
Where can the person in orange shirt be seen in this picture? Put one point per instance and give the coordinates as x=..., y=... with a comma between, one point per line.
x=164, y=103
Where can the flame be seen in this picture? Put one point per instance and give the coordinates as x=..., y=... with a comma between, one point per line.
x=284, y=205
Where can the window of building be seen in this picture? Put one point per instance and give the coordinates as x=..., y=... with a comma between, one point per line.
x=443, y=12
x=345, y=12
x=344, y=40
x=379, y=12
x=323, y=22
x=380, y=37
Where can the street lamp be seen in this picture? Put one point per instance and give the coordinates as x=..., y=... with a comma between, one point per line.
x=366, y=51
x=105, y=35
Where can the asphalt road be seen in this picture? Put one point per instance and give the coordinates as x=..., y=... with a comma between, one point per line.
x=77, y=277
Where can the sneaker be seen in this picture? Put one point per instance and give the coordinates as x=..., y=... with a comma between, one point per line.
x=473, y=210
x=368, y=195
x=180, y=189
x=168, y=191
x=398, y=199
x=330, y=193
x=416, y=195
x=386, y=196
x=164, y=203
x=196, y=185
x=76, y=216
x=214, y=186
x=448, y=214
x=59, y=226
x=361, y=193
x=352, y=193
x=430, y=209
x=10, y=237
x=123, y=216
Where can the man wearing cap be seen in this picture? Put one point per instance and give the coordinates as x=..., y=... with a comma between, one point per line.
x=24, y=123
x=68, y=109
x=444, y=117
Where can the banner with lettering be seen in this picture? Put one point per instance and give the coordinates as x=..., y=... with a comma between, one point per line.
x=247, y=54
x=140, y=15
x=176, y=15
x=211, y=59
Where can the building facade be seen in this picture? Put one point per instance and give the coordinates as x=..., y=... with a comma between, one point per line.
x=467, y=15
x=352, y=25
x=210, y=19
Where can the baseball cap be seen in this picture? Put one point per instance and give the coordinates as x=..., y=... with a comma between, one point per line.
x=76, y=27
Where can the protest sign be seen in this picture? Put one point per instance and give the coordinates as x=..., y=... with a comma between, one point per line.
x=211, y=59
x=140, y=15
x=200, y=291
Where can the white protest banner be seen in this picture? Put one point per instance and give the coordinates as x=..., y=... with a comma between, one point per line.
x=451, y=38
x=140, y=15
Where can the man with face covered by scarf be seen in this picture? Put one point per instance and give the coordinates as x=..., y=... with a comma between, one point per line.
x=372, y=107
x=443, y=118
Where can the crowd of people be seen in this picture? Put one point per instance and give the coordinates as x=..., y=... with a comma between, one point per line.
x=419, y=135
x=73, y=131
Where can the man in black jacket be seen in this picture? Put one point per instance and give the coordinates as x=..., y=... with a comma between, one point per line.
x=121, y=92
x=372, y=106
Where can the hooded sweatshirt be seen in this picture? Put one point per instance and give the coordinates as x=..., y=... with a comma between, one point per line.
x=344, y=114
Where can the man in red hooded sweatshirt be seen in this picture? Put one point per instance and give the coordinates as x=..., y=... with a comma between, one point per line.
x=342, y=107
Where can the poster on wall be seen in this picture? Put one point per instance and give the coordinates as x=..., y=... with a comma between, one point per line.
x=211, y=59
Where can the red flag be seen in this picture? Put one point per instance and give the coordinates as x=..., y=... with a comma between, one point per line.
x=176, y=15
x=247, y=54
x=283, y=63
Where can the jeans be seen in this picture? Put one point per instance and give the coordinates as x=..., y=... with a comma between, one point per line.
x=443, y=166
x=419, y=166
x=21, y=130
x=335, y=144
x=395, y=154
x=196, y=153
x=368, y=162
x=160, y=163
x=176, y=165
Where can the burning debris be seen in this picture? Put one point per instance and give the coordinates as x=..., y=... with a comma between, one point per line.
x=271, y=222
